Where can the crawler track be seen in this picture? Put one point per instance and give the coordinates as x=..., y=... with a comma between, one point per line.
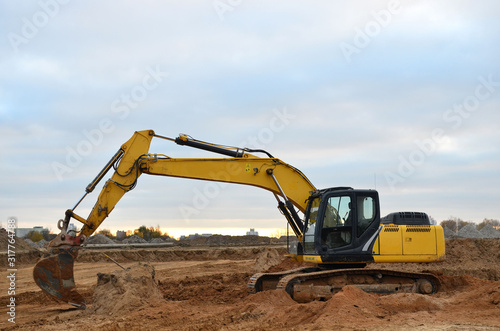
x=309, y=284
x=269, y=281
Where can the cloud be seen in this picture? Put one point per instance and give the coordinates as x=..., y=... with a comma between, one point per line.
x=351, y=122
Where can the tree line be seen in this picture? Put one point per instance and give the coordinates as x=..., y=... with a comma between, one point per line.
x=147, y=233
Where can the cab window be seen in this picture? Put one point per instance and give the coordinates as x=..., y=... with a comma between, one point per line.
x=366, y=213
x=311, y=226
x=337, y=222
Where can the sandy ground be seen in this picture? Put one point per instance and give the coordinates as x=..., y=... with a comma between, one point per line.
x=205, y=289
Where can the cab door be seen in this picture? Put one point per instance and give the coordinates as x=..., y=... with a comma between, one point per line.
x=347, y=224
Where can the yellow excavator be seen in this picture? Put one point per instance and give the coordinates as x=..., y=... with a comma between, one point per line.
x=340, y=230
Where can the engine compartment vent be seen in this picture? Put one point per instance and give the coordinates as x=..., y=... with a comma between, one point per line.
x=406, y=218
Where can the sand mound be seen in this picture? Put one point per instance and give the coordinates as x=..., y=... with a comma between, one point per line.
x=41, y=244
x=489, y=231
x=222, y=240
x=99, y=239
x=266, y=307
x=19, y=244
x=354, y=302
x=449, y=234
x=272, y=298
x=125, y=290
x=469, y=231
x=266, y=259
x=409, y=302
x=134, y=239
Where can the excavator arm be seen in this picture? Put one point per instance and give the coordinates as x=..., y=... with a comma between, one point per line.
x=291, y=188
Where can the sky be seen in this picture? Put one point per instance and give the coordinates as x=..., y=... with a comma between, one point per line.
x=398, y=96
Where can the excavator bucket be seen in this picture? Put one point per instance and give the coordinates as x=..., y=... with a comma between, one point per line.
x=54, y=275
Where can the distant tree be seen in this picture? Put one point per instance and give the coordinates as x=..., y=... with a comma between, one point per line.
x=278, y=233
x=459, y=223
x=148, y=233
x=107, y=233
x=34, y=236
x=450, y=224
x=141, y=231
x=47, y=235
x=155, y=232
x=487, y=221
x=139, y=234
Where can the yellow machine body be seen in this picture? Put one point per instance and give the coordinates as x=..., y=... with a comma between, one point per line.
x=409, y=243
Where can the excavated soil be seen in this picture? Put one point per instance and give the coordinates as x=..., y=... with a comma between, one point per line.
x=24, y=252
x=204, y=288
x=125, y=290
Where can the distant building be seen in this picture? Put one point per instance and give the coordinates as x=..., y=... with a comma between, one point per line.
x=252, y=232
x=120, y=235
x=23, y=232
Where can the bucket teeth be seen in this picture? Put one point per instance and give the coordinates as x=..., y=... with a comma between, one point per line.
x=54, y=275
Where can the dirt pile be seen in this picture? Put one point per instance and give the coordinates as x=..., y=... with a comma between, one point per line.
x=469, y=302
x=99, y=239
x=448, y=234
x=489, y=231
x=41, y=244
x=19, y=244
x=173, y=254
x=134, y=239
x=266, y=259
x=360, y=306
x=125, y=290
x=24, y=252
x=220, y=240
x=469, y=231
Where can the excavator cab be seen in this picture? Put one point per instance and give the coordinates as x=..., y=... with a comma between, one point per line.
x=341, y=225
